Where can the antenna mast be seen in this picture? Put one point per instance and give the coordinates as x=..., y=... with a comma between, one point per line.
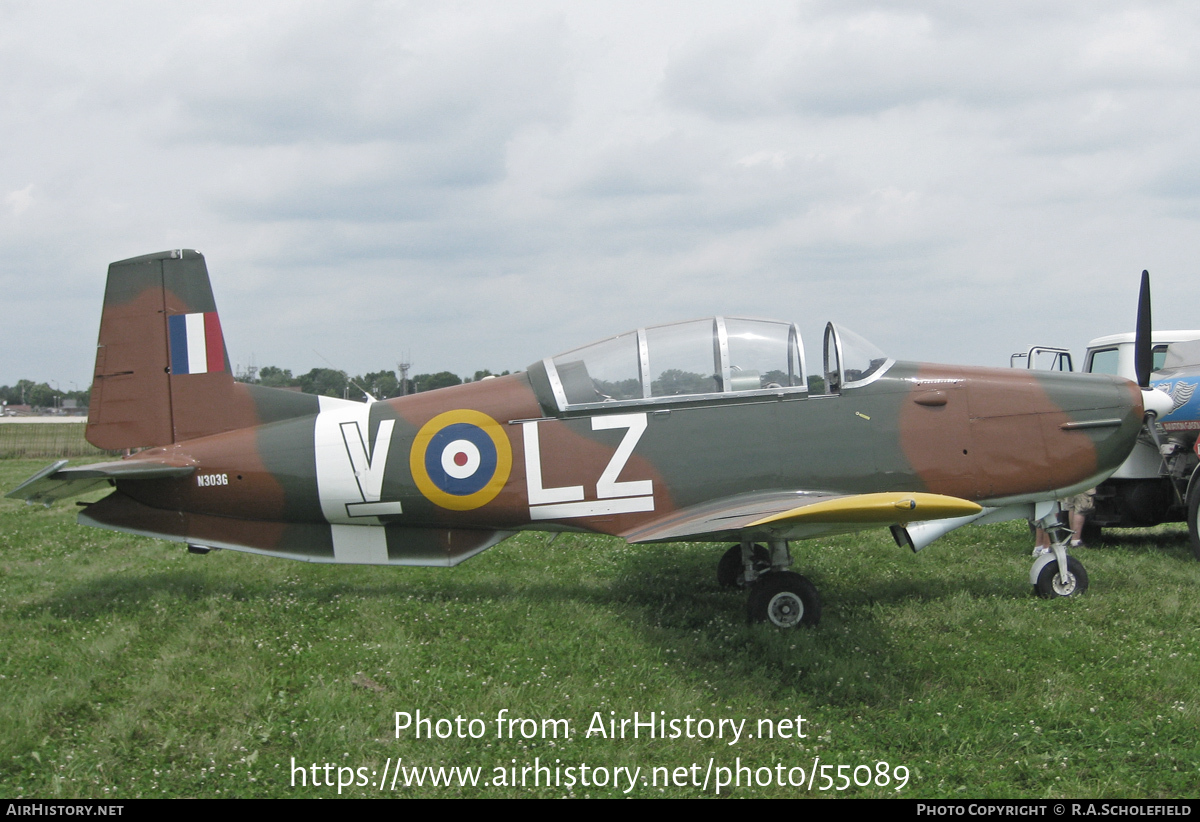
x=403, y=366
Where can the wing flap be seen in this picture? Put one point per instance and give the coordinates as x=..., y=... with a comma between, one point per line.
x=55, y=482
x=724, y=518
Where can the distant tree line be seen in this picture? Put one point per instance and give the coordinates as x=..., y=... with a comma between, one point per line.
x=381, y=385
x=41, y=395
x=326, y=381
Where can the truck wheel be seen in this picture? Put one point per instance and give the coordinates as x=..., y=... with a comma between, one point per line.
x=1145, y=502
x=1193, y=503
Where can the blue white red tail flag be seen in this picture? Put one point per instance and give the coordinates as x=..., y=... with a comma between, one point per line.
x=197, y=346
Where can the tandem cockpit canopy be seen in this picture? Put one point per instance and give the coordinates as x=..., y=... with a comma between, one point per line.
x=706, y=359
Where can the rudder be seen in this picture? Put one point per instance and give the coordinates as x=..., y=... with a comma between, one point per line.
x=162, y=372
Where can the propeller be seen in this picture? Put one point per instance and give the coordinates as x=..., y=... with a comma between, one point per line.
x=1156, y=403
x=1143, y=345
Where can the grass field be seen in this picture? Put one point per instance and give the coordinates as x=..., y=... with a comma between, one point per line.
x=131, y=668
x=21, y=438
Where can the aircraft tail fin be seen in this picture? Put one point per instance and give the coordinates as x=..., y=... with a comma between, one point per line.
x=162, y=372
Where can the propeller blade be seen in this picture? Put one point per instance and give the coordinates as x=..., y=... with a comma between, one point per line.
x=1143, y=353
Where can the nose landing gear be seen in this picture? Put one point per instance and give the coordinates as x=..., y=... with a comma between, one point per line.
x=1057, y=574
x=1050, y=582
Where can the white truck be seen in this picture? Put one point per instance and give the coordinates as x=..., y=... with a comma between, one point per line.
x=1160, y=482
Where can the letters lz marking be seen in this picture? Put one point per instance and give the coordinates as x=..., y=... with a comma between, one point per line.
x=207, y=480
x=613, y=496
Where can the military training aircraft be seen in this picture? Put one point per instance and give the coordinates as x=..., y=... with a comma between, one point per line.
x=706, y=430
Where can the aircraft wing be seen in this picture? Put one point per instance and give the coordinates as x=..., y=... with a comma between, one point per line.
x=797, y=515
x=55, y=482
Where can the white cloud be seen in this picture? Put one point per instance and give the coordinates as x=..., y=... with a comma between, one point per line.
x=484, y=184
x=20, y=200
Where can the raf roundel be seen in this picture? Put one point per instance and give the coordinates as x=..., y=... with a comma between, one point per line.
x=461, y=459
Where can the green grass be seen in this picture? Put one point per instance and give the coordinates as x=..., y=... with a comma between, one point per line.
x=49, y=440
x=131, y=668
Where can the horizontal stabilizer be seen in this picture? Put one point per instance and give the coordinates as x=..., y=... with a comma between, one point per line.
x=55, y=482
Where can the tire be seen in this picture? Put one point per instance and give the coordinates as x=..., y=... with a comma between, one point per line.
x=785, y=600
x=1049, y=585
x=1144, y=503
x=1193, y=508
x=730, y=573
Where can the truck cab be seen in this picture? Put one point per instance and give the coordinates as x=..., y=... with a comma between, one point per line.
x=1114, y=354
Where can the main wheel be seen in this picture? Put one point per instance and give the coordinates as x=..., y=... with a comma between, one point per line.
x=1050, y=583
x=784, y=599
x=731, y=574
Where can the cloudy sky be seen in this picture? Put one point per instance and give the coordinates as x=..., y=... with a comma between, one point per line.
x=480, y=184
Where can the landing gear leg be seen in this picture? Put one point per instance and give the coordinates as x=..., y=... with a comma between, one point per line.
x=742, y=562
x=783, y=598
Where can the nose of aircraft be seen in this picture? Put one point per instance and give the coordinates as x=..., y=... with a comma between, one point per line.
x=1107, y=410
x=1070, y=429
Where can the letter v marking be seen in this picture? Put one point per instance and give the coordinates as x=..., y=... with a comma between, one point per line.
x=368, y=470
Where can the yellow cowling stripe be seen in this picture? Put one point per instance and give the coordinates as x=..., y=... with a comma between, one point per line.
x=885, y=509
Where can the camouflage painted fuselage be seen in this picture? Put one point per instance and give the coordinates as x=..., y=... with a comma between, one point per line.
x=436, y=477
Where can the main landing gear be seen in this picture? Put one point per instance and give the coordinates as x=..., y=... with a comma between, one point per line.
x=780, y=597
